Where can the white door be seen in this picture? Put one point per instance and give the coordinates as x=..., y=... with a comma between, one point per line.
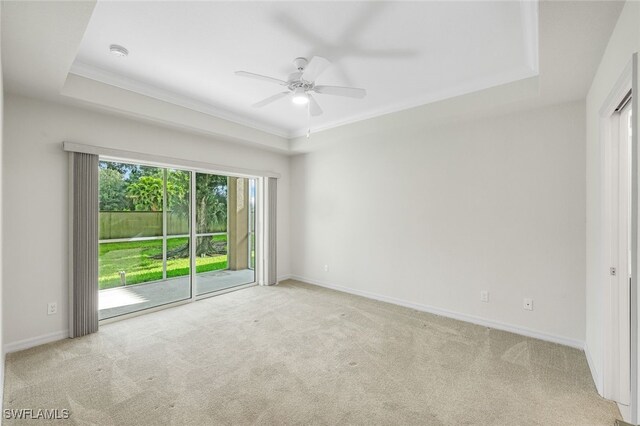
x=618, y=386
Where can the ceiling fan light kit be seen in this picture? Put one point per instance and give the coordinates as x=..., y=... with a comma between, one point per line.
x=301, y=85
x=300, y=96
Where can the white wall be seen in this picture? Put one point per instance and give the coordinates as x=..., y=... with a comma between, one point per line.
x=35, y=199
x=624, y=41
x=430, y=216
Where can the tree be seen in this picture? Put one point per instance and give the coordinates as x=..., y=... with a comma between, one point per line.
x=123, y=168
x=113, y=191
x=146, y=193
x=211, y=203
x=211, y=209
x=127, y=187
x=178, y=189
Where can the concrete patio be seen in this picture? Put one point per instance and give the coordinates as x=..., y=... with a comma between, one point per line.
x=124, y=300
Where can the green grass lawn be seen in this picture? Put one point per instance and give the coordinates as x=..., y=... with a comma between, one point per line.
x=136, y=258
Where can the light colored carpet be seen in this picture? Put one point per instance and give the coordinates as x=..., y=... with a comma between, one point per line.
x=300, y=354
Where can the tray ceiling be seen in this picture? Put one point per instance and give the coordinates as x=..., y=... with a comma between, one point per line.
x=404, y=53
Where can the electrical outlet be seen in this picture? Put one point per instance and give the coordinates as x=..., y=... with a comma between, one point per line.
x=326, y=268
x=528, y=304
x=484, y=296
x=52, y=308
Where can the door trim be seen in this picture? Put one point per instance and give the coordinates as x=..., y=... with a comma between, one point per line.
x=627, y=81
x=633, y=290
x=614, y=384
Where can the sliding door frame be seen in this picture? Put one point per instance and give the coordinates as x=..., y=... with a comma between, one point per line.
x=192, y=235
x=258, y=274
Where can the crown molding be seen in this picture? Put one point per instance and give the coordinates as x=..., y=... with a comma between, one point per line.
x=93, y=73
x=476, y=85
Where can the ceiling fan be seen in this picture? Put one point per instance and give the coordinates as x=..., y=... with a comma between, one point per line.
x=301, y=85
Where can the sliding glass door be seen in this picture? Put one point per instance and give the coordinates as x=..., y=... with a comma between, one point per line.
x=223, y=227
x=146, y=257
x=144, y=237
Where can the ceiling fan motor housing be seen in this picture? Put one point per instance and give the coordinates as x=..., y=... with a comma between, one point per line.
x=299, y=83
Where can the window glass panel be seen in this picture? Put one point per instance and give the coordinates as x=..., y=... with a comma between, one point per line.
x=178, y=264
x=224, y=239
x=135, y=271
x=178, y=199
x=211, y=204
x=129, y=263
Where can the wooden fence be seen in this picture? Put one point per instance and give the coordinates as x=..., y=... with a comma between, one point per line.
x=115, y=225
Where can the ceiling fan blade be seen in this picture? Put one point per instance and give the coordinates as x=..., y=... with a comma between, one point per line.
x=350, y=92
x=260, y=77
x=314, y=107
x=270, y=99
x=315, y=67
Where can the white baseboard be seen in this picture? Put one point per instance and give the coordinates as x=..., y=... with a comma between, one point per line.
x=284, y=277
x=625, y=412
x=35, y=341
x=578, y=344
x=597, y=379
x=59, y=335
